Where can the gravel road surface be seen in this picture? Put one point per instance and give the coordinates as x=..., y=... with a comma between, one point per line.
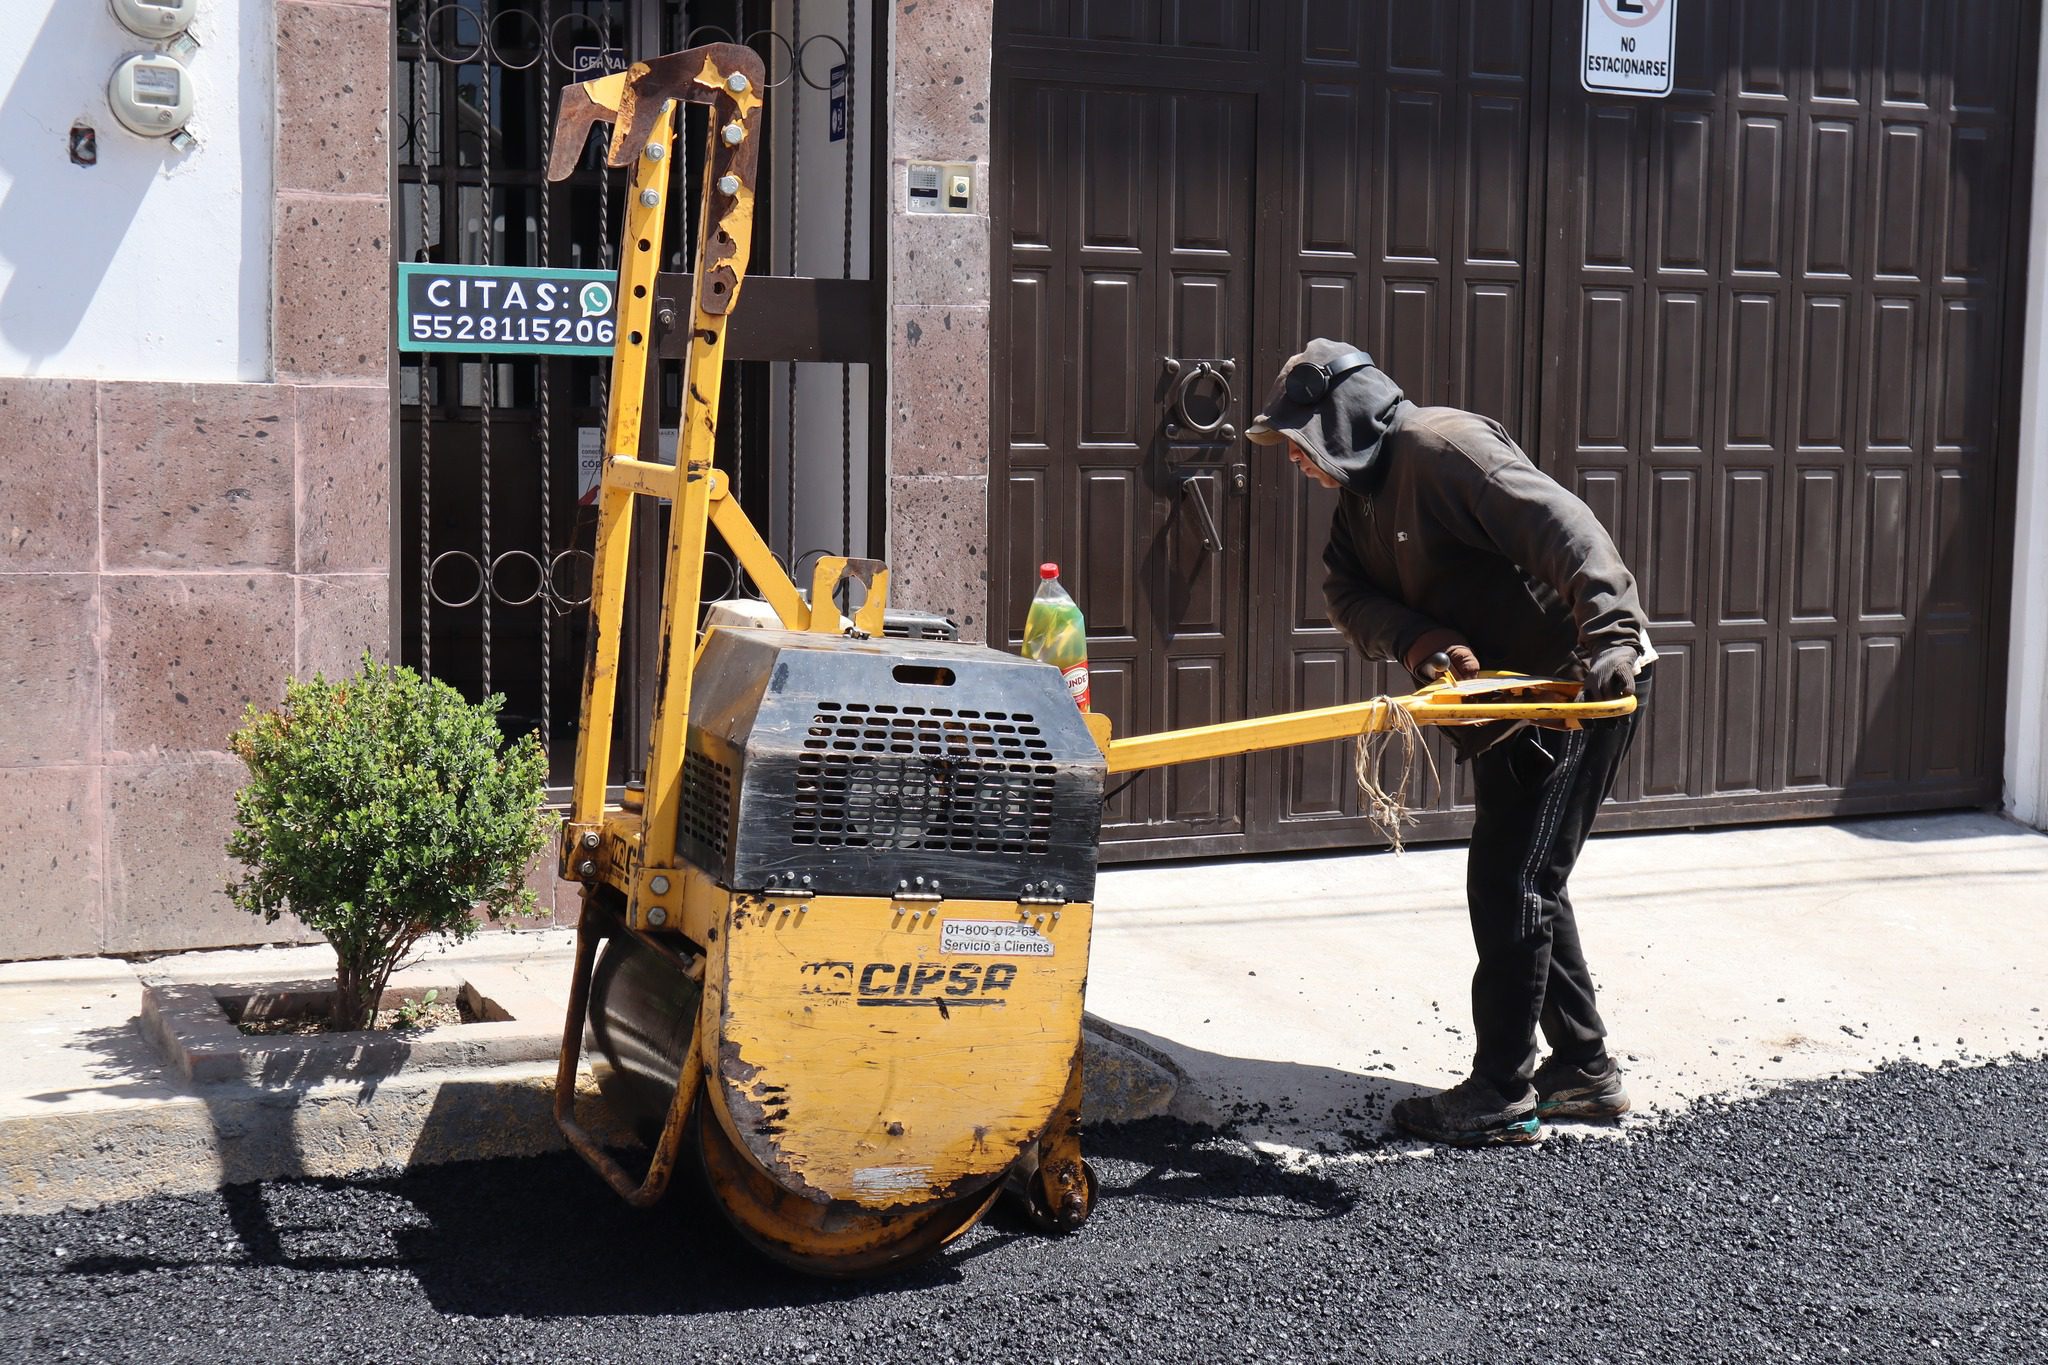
x=1898, y=1217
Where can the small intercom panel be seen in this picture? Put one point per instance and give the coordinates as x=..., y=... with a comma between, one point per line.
x=941, y=187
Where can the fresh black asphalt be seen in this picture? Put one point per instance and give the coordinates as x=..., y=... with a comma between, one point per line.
x=1894, y=1218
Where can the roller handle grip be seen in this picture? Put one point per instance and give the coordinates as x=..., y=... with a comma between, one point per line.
x=1435, y=666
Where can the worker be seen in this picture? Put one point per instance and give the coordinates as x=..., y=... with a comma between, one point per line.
x=1449, y=545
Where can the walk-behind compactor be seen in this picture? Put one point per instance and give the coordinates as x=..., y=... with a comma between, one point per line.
x=832, y=951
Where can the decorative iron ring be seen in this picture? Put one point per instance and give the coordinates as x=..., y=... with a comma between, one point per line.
x=724, y=35
x=748, y=582
x=433, y=50
x=417, y=137
x=806, y=565
x=539, y=578
x=732, y=577
x=555, y=39
x=540, y=38
x=803, y=56
x=768, y=60
x=434, y=572
x=555, y=593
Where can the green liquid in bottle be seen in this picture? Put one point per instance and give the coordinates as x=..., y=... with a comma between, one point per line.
x=1054, y=633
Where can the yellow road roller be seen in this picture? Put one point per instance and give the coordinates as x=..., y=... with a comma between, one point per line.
x=833, y=951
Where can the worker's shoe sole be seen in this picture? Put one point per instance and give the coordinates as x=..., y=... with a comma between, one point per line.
x=1570, y=1092
x=1469, y=1114
x=1520, y=1133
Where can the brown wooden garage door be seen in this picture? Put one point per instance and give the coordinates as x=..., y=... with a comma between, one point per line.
x=1776, y=316
x=1758, y=326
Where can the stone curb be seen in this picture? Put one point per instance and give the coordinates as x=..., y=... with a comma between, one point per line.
x=1124, y=1079
x=234, y=1132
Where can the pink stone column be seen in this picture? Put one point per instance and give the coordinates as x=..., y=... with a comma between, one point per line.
x=51, y=868
x=172, y=553
x=939, y=317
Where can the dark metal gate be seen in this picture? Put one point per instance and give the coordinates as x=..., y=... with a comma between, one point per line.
x=1757, y=326
x=496, y=458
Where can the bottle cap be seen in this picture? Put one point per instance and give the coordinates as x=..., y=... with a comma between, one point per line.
x=1048, y=571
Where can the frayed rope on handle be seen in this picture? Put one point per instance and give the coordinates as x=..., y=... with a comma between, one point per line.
x=1390, y=732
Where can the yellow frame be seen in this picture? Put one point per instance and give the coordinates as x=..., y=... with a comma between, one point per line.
x=633, y=848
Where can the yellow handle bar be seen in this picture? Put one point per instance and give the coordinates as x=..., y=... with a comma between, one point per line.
x=1473, y=701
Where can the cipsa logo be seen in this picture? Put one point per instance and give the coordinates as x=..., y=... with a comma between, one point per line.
x=910, y=985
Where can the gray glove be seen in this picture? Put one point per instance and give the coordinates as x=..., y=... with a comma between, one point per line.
x=1612, y=674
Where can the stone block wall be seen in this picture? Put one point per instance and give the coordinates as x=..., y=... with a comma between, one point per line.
x=939, y=316
x=172, y=552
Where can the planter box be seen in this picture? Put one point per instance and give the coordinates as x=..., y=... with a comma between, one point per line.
x=194, y=1027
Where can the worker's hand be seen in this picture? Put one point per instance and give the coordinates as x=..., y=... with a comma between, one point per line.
x=1450, y=644
x=1611, y=675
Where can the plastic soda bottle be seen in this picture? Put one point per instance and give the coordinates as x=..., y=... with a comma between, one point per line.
x=1054, y=633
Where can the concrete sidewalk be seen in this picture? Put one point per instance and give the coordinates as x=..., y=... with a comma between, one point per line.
x=1302, y=995
x=1298, y=995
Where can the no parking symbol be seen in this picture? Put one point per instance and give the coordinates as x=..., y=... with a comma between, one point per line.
x=1627, y=47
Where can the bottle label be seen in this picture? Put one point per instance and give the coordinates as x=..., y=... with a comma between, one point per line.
x=1077, y=683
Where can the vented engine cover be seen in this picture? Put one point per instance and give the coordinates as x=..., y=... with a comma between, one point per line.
x=864, y=765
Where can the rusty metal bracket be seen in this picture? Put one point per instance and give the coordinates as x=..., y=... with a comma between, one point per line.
x=1053, y=1182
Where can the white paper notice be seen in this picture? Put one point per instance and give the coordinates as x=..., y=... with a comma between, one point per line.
x=589, y=464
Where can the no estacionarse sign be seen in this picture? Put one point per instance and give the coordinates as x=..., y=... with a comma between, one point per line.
x=1626, y=47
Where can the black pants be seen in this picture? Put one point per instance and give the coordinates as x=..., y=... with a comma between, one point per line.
x=1537, y=793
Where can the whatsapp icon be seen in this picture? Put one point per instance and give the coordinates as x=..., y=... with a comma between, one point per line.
x=595, y=299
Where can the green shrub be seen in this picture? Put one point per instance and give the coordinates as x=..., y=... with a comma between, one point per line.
x=381, y=810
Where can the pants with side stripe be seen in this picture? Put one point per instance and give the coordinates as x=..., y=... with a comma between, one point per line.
x=1536, y=795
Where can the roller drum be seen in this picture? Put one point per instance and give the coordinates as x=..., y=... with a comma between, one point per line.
x=643, y=1020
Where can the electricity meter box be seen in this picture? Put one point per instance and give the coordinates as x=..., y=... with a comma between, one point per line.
x=151, y=94
x=158, y=19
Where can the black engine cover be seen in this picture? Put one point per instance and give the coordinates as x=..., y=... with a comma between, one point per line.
x=866, y=764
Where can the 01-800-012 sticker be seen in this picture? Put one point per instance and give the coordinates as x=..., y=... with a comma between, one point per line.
x=992, y=938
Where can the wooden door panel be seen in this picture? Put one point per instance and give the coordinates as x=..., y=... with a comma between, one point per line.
x=1412, y=239
x=1142, y=246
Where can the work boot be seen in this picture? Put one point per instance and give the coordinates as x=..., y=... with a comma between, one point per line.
x=1590, y=1091
x=1472, y=1113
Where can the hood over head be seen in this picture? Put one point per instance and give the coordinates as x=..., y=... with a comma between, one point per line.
x=1343, y=430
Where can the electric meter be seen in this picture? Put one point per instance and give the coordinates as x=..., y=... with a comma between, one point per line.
x=154, y=18
x=151, y=94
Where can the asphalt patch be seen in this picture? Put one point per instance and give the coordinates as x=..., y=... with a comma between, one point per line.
x=1896, y=1217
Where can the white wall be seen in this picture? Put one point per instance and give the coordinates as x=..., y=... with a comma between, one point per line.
x=155, y=263
x=2026, y=725
x=821, y=194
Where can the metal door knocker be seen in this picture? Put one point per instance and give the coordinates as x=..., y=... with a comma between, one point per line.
x=1205, y=384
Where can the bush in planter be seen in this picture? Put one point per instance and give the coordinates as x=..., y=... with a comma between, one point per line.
x=383, y=809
